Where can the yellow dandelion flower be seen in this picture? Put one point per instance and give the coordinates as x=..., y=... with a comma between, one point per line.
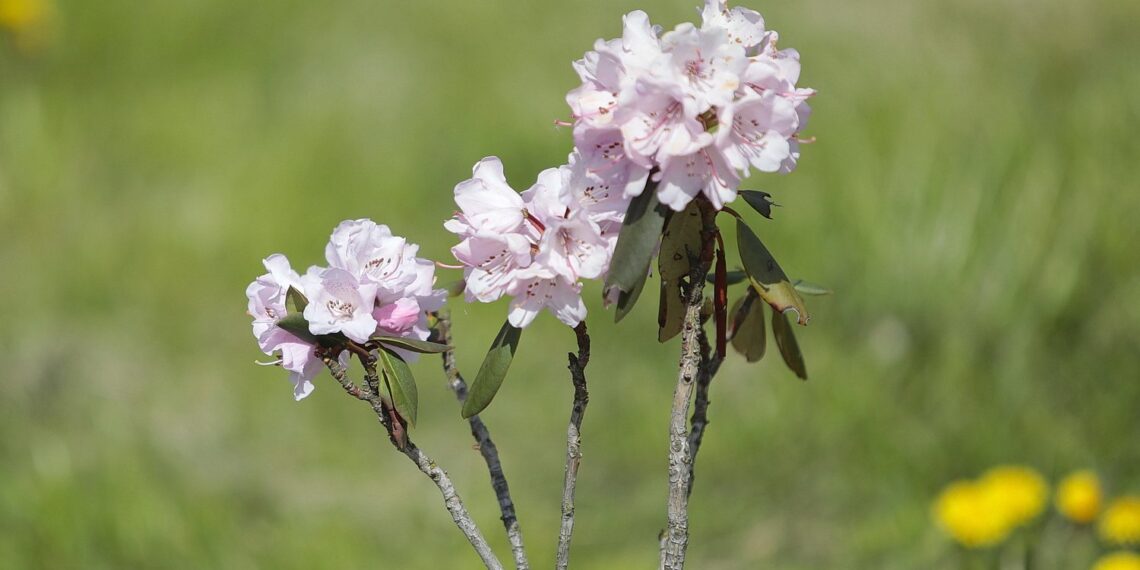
x=29, y=21
x=1079, y=497
x=1122, y=560
x=970, y=514
x=1020, y=492
x=1120, y=523
x=21, y=14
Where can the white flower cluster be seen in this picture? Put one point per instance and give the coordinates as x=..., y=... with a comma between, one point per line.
x=374, y=285
x=696, y=106
x=688, y=111
x=536, y=246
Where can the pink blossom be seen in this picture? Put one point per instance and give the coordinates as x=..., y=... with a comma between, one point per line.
x=486, y=202
x=339, y=303
x=267, y=306
x=534, y=290
x=397, y=318
x=539, y=257
x=700, y=106
x=375, y=285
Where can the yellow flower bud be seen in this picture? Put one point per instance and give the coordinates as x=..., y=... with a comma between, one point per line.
x=971, y=515
x=1122, y=560
x=1079, y=497
x=1120, y=523
x=1019, y=491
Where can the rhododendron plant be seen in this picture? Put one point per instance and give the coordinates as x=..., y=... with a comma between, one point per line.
x=666, y=125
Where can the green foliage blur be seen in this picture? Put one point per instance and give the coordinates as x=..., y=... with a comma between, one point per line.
x=972, y=199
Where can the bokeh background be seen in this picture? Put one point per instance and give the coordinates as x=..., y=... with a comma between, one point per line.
x=972, y=199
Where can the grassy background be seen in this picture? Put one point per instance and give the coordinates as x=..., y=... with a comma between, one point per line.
x=972, y=199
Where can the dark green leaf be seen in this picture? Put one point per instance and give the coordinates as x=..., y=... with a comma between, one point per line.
x=789, y=348
x=412, y=344
x=680, y=244
x=493, y=370
x=808, y=288
x=640, y=231
x=760, y=201
x=456, y=288
x=296, y=324
x=731, y=278
x=670, y=312
x=749, y=337
x=680, y=249
x=767, y=278
x=626, y=299
x=295, y=301
x=401, y=384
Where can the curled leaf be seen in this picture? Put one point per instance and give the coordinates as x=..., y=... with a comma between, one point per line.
x=748, y=333
x=767, y=278
x=730, y=278
x=789, y=348
x=760, y=201
x=808, y=288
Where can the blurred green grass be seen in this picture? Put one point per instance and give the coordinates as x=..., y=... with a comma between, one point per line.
x=972, y=199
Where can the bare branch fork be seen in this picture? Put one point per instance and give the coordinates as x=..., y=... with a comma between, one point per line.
x=483, y=441
x=676, y=538
x=573, y=442
x=397, y=434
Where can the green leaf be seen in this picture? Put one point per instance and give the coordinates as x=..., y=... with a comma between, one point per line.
x=412, y=344
x=493, y=370
x=296, y=324
x=789, y=348
x=760, y=201
x=670, y=312
x=401, y=384
x=456, y=288
x=748, y=332
x=767, y=278
x=808, y=288
x=295, y=301
x=731, y=278
x=680, y=249
x=640, y=231
x=626, y=299
x=680, y=244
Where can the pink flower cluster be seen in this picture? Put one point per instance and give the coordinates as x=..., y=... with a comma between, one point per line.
x=374, y=285
x=536, y=246
x=698, y=106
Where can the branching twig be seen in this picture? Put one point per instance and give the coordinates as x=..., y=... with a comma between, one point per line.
x=680, y=459
x=486, y=446
x=573, y=442
x=451, y=499
x=709, y=364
